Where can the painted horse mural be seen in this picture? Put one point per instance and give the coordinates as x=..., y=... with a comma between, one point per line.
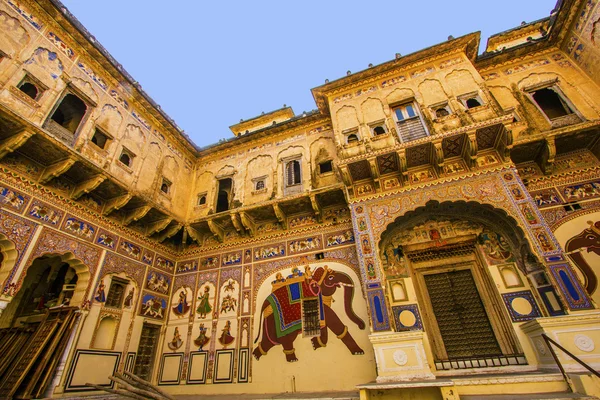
x=588, y=240
x=301, y=303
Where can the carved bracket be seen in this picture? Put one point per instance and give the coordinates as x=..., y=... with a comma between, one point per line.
x=316, y=208
x=87, y=186
x=248, y=223
x=12, y=143
x=169, y=232
x=136, y=214
x=158, y=226
x=56, y=169
x=116, y=203
x=216, y=230
x=280, y=216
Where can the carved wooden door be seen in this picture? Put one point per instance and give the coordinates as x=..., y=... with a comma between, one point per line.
x=146, y=351
x=460, y=314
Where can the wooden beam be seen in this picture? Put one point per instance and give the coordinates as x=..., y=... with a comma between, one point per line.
x=87, y=186
x=56, y=169
x=136, y=214
x=116, y=203
x=216, y=230
x=280, y=216
x=248, y=223
x=12, y=143
x=167, y=233
x=158, y=226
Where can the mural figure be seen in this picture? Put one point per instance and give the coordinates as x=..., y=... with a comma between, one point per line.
x=153, y=306
x=204, y=307
x=226, y=339
x=228, y=304
x=282, y=319
x=100, y=296
x=495, y=246
x=182, y=306
x=129, y=299
x=202, y=339
x=588, y=240
x=176, y=342
x=158, y=282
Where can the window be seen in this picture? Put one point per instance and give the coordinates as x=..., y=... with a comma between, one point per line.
x=379, y=130
x=224, y=194
x=441, y=110
x=100, y=139
x=472, y=102
x=551, y=103
x=259, y=185
x=69, y=113
x=165, y=186
x=352, y=138
x=570, y=207
x=325, y=167
x=116, y=292
x=201, y=199
x=293, y=173
x=126, y=158
x=408, y=120
x=29, y=89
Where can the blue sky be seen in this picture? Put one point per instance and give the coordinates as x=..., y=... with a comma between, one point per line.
x=211, y=63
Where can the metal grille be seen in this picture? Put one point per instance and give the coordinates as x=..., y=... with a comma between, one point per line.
x=411, y=129
x=310, y=318
x=481, y=362
x=146, y=351
x=461, y=317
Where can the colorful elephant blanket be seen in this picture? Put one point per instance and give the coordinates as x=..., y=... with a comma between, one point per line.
x=286, y=302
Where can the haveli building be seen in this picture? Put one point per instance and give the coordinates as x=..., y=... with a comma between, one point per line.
x=429, y=221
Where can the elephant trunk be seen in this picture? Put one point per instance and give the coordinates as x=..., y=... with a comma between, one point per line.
x=348, y=297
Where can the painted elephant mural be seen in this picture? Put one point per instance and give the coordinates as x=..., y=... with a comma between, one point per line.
x=301, y=303
x=588, y=240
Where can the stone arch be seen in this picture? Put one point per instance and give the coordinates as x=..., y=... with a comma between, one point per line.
x=461, y=81
x=432, y=92
x=14, y=35
x=486, y=215
x=110, y=119
x=372, y=110
x=400, y=95
x=9, y=259
x=105, y=334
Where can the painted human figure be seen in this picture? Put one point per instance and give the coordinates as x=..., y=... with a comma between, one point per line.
x=100, y=296
x=176, y=342
x=226, y=339
x=129, y=299
x=204, y=307
x=202, y=339
x=182, y=306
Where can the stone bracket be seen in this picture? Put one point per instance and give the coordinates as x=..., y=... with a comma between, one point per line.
x=248, y=223
x=472, y=150
x=547, y=155
x=87, y=186
x=169, y=232
x=136, y=214
x=116, y=203
x=216, y=230
x=158, y=226
x=235, y=219
x=194, y=234
x=280, y=216
x=56, y=169
x=316, y=208
x=12, y=143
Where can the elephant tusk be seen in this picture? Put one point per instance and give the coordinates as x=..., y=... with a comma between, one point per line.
x=346, y=284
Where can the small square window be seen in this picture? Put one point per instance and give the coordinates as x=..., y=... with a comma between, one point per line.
x=471, y=100
x=379, y=130
x=126, y=158
x=100, y=139
x=351, y=136
x=441, y=110
x=165, y=186
x=116, y=293
x=202, y=199
x=325, y=167
x=259, y=185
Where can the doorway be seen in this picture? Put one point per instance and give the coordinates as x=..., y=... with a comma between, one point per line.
x=146, y=351
x=464, y=325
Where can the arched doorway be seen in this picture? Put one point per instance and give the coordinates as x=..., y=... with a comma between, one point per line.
x=444, y=253
x=37, y=323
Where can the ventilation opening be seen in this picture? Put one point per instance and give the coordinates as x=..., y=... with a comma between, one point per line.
x=472, y=103
x=29, y=89
x=325, y=167
x=99, y=139
x=379, y=130
x=201, y=200
x=293, y=173
x=165, y=187
x=352, y=138
x=70, y=112
x=551, y=103
x=224, y=194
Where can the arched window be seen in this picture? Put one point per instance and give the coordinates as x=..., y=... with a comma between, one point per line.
x=292, y=173
x=353, y=138
x=70, y=112
x=260, y=185
x=125, y=158
x=441, y=112
x=551, y=103
x=472, y=103
x=29, y=89
x=379, y=130
x=202, y=200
